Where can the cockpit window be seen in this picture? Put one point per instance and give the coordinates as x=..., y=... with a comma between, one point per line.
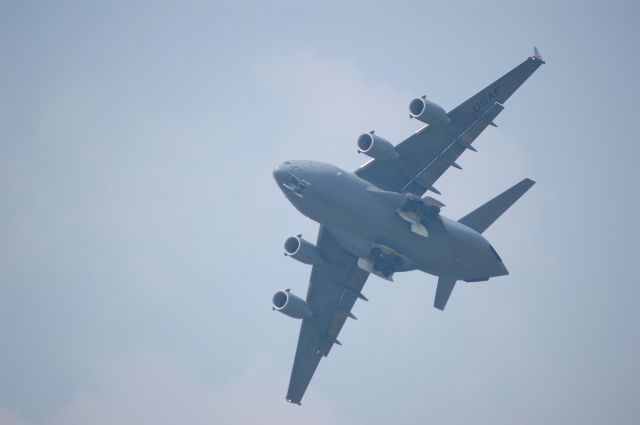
x=495, y=253
x=295, y=184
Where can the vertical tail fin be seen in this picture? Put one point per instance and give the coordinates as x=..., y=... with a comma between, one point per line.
x=483, y=217
x=443, y=292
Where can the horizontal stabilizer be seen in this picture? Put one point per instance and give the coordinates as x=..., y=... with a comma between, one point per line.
x=483, y=217
x=443, y=292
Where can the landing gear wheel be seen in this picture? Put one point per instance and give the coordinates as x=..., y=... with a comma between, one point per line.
x=389, y=270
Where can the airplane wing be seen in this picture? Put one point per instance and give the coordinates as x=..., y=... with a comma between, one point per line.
x=334, y=287
x=424, y=156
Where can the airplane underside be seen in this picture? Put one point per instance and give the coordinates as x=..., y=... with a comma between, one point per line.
x=377, y=220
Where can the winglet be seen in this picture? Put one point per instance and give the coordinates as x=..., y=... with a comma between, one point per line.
x=536, y=54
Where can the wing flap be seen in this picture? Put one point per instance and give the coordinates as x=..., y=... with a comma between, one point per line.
x=305, y=363
x=451, y=152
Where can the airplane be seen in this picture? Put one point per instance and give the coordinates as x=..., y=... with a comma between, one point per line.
x=377, y=220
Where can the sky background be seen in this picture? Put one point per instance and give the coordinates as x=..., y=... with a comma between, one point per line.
x=141, y=230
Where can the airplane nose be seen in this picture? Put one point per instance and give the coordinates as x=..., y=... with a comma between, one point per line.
x=279, y=172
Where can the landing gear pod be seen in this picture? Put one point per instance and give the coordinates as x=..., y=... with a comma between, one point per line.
x=420, y=213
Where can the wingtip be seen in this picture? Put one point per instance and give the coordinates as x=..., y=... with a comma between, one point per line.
x=291, y=401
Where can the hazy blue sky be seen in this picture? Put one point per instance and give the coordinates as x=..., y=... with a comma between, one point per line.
x=141, y=230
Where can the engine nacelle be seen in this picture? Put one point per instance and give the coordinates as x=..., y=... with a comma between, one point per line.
x=428, y=112
x=291, y=305
x=302, y=250
x=376, y=147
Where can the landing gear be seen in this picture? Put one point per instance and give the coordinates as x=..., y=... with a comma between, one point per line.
x=421, y=213
x=426, y=213
x=385, y=264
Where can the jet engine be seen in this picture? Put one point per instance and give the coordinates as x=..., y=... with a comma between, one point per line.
x=428, y=112
x=302, y=250
x=376, y=147
x=291, y=305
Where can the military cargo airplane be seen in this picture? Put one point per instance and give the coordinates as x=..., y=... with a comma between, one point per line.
x=377, y=220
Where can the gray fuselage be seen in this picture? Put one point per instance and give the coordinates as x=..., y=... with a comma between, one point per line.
x=360, y=218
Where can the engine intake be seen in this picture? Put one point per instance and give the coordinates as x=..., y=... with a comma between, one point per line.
x=291, y=305
x=376, y=147
x=428, y=112
x=302, y=250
